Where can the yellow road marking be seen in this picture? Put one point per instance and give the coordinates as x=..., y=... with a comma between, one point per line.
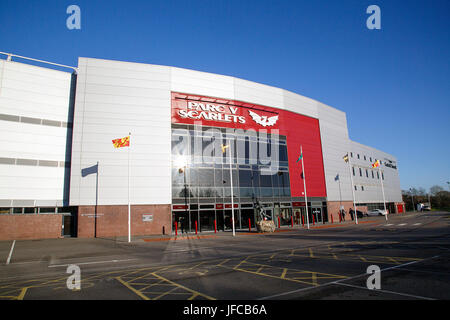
x=284, y=273
x=183, y=287
x=132, y=289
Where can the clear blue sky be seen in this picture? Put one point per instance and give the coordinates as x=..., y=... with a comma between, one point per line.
x=393, y=83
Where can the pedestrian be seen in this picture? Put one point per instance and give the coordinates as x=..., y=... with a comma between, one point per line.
x=352, y=213
x=182, y=226
x=343, y=214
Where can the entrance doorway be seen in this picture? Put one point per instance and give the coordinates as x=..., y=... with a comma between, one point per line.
x=207, y=220
x=317, y=212
x=182, y=220
x=245, y=215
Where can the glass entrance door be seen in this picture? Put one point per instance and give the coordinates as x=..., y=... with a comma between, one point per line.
x=182, y=220
x=207, y=220
x=317, y=212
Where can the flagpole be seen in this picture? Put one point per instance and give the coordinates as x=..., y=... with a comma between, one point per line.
x=129, y=206
x=382, y=189
x=232, y=200
x=304, y=187
x=353, y=188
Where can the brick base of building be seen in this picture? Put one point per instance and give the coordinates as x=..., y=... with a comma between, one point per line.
x=30, y=226
x=333, y=209
x=112, y=221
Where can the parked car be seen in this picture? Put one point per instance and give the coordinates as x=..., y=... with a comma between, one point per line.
x=376, y=212
x=426, y=208
x=359, y=213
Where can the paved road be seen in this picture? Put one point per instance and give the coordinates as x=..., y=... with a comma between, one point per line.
x=325, y=262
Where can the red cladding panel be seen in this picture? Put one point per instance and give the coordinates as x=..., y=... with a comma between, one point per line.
x=299, y=131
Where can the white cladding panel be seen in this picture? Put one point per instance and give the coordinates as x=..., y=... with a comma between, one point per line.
x=41, y=96
x=114, y=98
x=202, y=83
x=372, y=186
x=335, y=144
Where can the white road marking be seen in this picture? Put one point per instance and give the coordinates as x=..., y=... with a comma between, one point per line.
x=389, y=224
x=93, y=262
x=338, y=281
x=10, y=252
x=402, y=224
x=417, y=224
x=385, y=291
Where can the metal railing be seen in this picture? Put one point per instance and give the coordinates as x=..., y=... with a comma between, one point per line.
x=9, y=57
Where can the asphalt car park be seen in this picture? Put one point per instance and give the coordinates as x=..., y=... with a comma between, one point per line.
x=325, y=262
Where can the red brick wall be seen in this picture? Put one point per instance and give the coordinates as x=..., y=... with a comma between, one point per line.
x=30, y=226
x=333, y=209
x=112, y=221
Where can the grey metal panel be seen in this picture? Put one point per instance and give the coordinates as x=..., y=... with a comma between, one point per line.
x=7, y=160
x=5, y=203
x=23, y=203
x=27, y=162
x=8, y=117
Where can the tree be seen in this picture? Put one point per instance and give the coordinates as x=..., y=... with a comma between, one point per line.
x=434, y=190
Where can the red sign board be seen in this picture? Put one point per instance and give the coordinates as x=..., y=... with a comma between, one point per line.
x=179, y=207
x=299, y=130
x=298, y=204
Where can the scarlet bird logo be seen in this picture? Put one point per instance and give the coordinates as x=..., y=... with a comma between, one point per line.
x=263, y=120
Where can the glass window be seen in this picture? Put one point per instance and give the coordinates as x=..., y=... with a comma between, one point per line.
x=283, y=153
x=33, y=210
x=177, y=176
x=5, y=210
x=360, y=172
x=382, y=175
x=206, y=177
x=373, y=175
x=266, y=192
x=362, y=188
x=358, y=155
x=378, y=176
x=365, y=158
x=17, y=210
x=356, y=188
x=44, y=210
x=218, y=178
x=353, y=169
x=367, y=173
x=265, y=180
x=245, y=178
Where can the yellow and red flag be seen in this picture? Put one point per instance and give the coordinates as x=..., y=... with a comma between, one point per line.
x=376, y=164
x=121, y=142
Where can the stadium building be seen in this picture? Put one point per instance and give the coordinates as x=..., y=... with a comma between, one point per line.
x=195, y=139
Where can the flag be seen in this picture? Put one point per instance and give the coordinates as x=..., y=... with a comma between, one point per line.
x=300, y=157
x=121, y=142
x=346, y=158
x=376, y=164
x=87, y=171
x=224, y=147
